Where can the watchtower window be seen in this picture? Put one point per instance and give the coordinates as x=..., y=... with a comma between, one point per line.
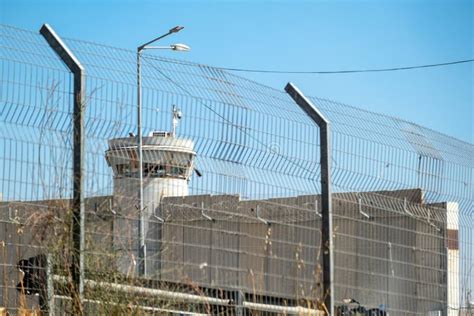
x=123, y=170
x=178, y=171
x=153, y=170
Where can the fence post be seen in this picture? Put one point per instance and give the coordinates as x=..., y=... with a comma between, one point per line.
x=239, y=298
x=77, y=266
x=326, y=199
x=50, y=285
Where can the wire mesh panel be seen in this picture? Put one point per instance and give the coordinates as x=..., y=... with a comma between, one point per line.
x=212, y=216
x=405, y=237
x=230, y=193
x=231, y=217
x=35, y=169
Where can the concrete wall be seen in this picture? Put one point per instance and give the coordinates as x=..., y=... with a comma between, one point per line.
x=454, y=290
x=32, y=228
x=236, y=249
x=396, y=256
x=126, y=223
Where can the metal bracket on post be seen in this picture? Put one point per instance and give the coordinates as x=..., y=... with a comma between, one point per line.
x=326, y=199
x=77, y=266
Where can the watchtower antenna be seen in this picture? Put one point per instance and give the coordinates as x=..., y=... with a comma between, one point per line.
x=177, y=114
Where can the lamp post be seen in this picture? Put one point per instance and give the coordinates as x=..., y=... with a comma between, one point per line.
x=141, y=228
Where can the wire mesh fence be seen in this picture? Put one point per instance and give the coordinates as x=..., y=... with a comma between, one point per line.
x=231, y=194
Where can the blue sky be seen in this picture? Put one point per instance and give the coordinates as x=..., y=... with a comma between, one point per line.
x=300, y=35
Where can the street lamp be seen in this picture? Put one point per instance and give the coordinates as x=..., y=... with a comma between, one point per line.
x=141, y=228
x=175, y=47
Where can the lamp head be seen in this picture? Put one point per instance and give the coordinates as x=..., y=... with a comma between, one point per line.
x=176, y=29
x=180, y=47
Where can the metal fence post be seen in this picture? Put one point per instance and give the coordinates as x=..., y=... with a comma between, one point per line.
x=77, y=266
x=326, y=199
x=50, y=285
x=239, y=297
